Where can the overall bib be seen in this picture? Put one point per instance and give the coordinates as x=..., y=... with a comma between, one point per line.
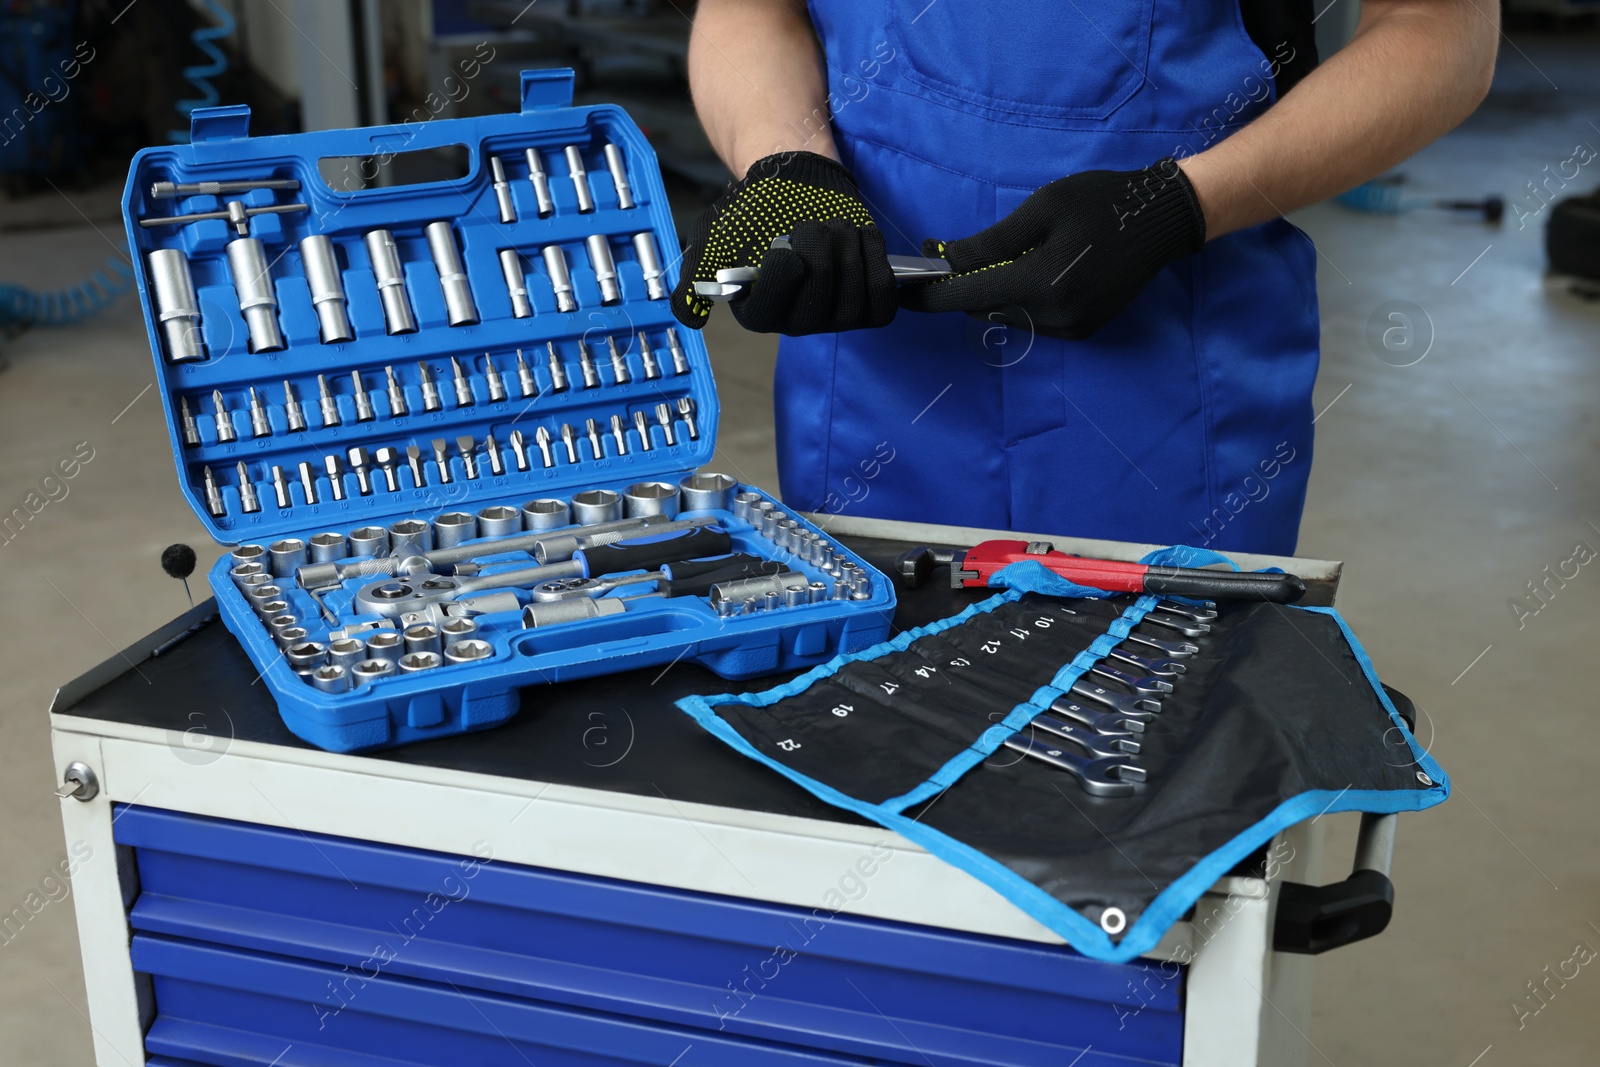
x=1187, y=419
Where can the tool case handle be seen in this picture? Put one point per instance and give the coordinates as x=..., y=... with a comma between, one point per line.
x=1315, y=919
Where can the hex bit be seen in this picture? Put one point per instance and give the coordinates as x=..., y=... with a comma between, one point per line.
x=330, y=407
x=558, y=373
x=397, y=395
x=430, y=392
x=335, y=476
x=358, y=463
x=249, y=502
x=280, y=488
x=491, y=377
x=363, y=401
x=225, y=431
x=308, y=482
x=191, y=430
x=293, y=413
x=260, y=424
x=441, y=459
x=525, y=379
x=619, y=363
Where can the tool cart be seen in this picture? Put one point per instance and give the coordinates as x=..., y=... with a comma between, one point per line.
x=598, y=881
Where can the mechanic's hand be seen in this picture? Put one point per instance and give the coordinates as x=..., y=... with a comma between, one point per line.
x=835, y=275
x=1074, y=254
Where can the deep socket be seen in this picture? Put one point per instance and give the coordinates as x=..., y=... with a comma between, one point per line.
x=605, y=268
x=177, y=306
x=458, y=304
x=516, y=283
x=619, y=176
x=385, y=256
x=327, y=289
x=580, y=179
x=644, y=247
x=540, y=182
x=555, y=264
x=502, y=190
x=247, y=262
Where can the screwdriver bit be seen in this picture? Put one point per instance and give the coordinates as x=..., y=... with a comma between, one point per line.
x=363, y=401
x=541, y=437
x=280, y=488
x=664, y=417
x=530, y=388
x=620, y=434
x=335, y=475
x=642, y=424
x=680, y=362
x=260, y=425
x=248, y=500
x=387, y=459
x=214, y=502
x=463, y=386
x=467, y=447
x=430, y=392
x=686, y=413
x=330, y=407
x=569, y=437
x=592, y=430
x=358, y=463
x=441, y=457
x=414, y=457
x=225, y=431
x=619, y=364
x=308, y=482
x=397, y=395
x=191, y=431
x=519, y=449
x=497, y=385
x=293, y=413
x=491, y=448
x=558, y=373
x=591, y=377
x=652, y=369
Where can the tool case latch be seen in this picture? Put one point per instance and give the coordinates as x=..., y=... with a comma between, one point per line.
x=229, y=123
x=546, y=90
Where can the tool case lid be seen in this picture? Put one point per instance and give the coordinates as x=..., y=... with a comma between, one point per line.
x=222, y=150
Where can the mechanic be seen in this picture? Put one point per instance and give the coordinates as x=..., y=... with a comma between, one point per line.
x=1108, y=179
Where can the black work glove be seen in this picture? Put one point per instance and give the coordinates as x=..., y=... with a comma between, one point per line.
x=1073, y=255
x=835, y=276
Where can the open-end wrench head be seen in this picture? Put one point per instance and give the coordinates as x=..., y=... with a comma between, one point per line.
x=1103, y=720
x=1144, y=685
x=1115, y=777
x=1123, y=702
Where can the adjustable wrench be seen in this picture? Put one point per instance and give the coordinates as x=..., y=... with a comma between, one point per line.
x=1098, y=746
x=1113, y=777
x=1121, y=702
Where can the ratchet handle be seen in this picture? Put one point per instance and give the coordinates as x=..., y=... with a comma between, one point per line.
x=1224, y=585
x=728, y=569
x=651, y=553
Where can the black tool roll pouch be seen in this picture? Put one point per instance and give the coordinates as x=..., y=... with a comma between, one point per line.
x=1277, y=718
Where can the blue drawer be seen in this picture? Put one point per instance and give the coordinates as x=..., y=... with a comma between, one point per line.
x=229, y=911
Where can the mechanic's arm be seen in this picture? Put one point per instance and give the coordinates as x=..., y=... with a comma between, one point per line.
x=757, y=80
x=1413, y=70
x=759, y=86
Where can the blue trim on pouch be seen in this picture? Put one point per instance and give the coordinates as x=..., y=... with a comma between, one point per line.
x=1079, y=932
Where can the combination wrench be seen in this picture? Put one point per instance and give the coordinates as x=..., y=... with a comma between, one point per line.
x=1098, y=746
x=1102, y=777
x=1103, y=721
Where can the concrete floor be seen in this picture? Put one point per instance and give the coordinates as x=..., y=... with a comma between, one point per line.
x=1446, y=485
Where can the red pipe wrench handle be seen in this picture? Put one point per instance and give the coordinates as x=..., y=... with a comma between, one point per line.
x=982, y=561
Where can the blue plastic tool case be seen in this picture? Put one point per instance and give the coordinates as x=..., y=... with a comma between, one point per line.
x=456, y=696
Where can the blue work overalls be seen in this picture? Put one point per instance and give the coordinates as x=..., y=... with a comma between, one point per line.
x=1187, y=419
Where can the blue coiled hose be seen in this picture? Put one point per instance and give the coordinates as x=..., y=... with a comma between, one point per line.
x=21, y=307
x=201, y=73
